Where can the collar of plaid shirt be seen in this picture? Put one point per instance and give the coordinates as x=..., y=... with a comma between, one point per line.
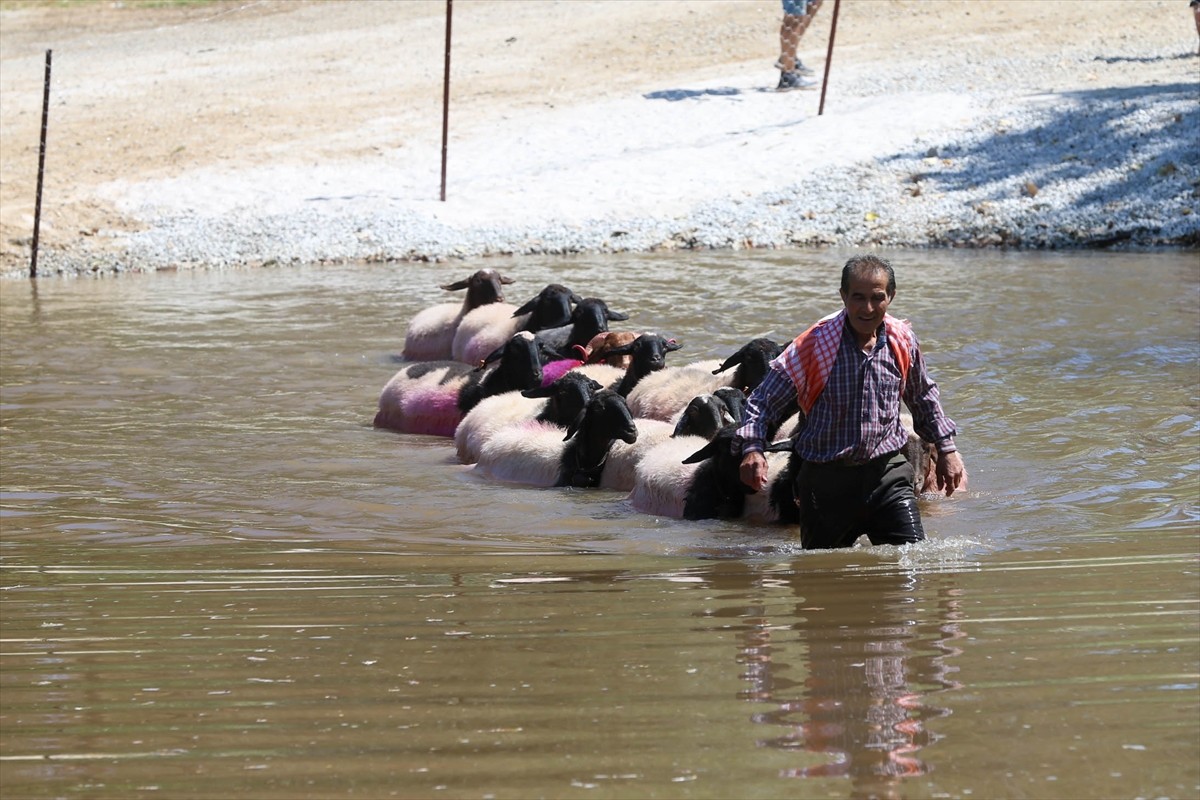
x=810, y=361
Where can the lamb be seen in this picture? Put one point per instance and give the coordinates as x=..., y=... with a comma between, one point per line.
x=488, y=327
x=431, y=397
x=430, y=334
x=923, y=457
x=598, y=350
x=558, y=404
x=664, y=394
x=537, y=453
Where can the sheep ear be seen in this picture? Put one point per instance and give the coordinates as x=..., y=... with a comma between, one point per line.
x=779, y=447
x=615, y=316
x=493, y=356
x=574, y=298
x=679, y=426
x=671, y=345
x=506, y=281
x=733, y=360
x=451, y=287
x=573, y=428
x=622, y=350
x=525, y=309
x=708, y=451
x=537, y=391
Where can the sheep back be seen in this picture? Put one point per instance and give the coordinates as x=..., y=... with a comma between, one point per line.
x=530, y=453
x=430, y=334
x=490, y=415
x=661, y=481
x=663, y=394
x=423, y=398
x=623, y=458
x=557, y=368
x=483, y=331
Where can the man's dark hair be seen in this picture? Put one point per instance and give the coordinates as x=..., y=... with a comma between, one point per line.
x=865, y=266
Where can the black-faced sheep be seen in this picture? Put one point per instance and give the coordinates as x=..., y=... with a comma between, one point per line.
x=538, y=454
x=489, y=327
x=648, y=354
x=706, y=414
x=432, y=397
x=557, y=404
x=589, y=318
x=430, y=334
x=663, y=395
x=690, y=478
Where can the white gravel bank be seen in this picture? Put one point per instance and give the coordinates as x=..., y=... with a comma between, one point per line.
x=910, y=159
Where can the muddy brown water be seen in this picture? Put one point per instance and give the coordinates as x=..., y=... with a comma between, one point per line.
x=220, y=581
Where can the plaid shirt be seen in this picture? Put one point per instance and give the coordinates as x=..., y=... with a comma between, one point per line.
x=857, y=416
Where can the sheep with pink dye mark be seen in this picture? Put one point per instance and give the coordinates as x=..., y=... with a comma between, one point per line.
x=433, y=396
x=430, y=334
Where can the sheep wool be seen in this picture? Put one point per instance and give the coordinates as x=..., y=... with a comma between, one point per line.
x=529, y=453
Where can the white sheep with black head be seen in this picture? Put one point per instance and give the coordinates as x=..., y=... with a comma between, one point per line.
x=647, y=354
x=430, y=334
x=489, y=327
x=557, y=404
x=690, y=478
x=433, y=396
x=664, y=394
x=538, y=454
x=705, y=414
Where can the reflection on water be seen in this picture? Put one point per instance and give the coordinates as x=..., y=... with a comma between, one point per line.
x=219, y=580
x=849, y=677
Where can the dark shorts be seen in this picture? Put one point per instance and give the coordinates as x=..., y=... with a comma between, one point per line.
x=840, y=503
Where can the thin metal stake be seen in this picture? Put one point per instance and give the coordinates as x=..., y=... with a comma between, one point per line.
x=37, y=208
x=828, y=57
x=446, y=98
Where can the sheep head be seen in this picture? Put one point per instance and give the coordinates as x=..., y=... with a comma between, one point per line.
x=483, y=287
x=753, y=360
x=550, y=308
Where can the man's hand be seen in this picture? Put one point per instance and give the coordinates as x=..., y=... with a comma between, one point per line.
x=753, y=471
x=951, y=474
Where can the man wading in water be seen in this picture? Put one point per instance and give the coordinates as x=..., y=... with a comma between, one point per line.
x=848, y=373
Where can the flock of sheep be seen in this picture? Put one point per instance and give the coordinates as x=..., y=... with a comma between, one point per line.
x=545, y=395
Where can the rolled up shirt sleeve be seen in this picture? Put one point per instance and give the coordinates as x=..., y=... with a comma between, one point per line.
x=765, y=408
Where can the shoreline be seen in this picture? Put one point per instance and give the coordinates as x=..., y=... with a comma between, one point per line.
x=949, y=189
x=1042, y=135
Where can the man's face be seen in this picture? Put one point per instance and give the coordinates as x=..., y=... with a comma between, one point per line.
x=866, y=302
